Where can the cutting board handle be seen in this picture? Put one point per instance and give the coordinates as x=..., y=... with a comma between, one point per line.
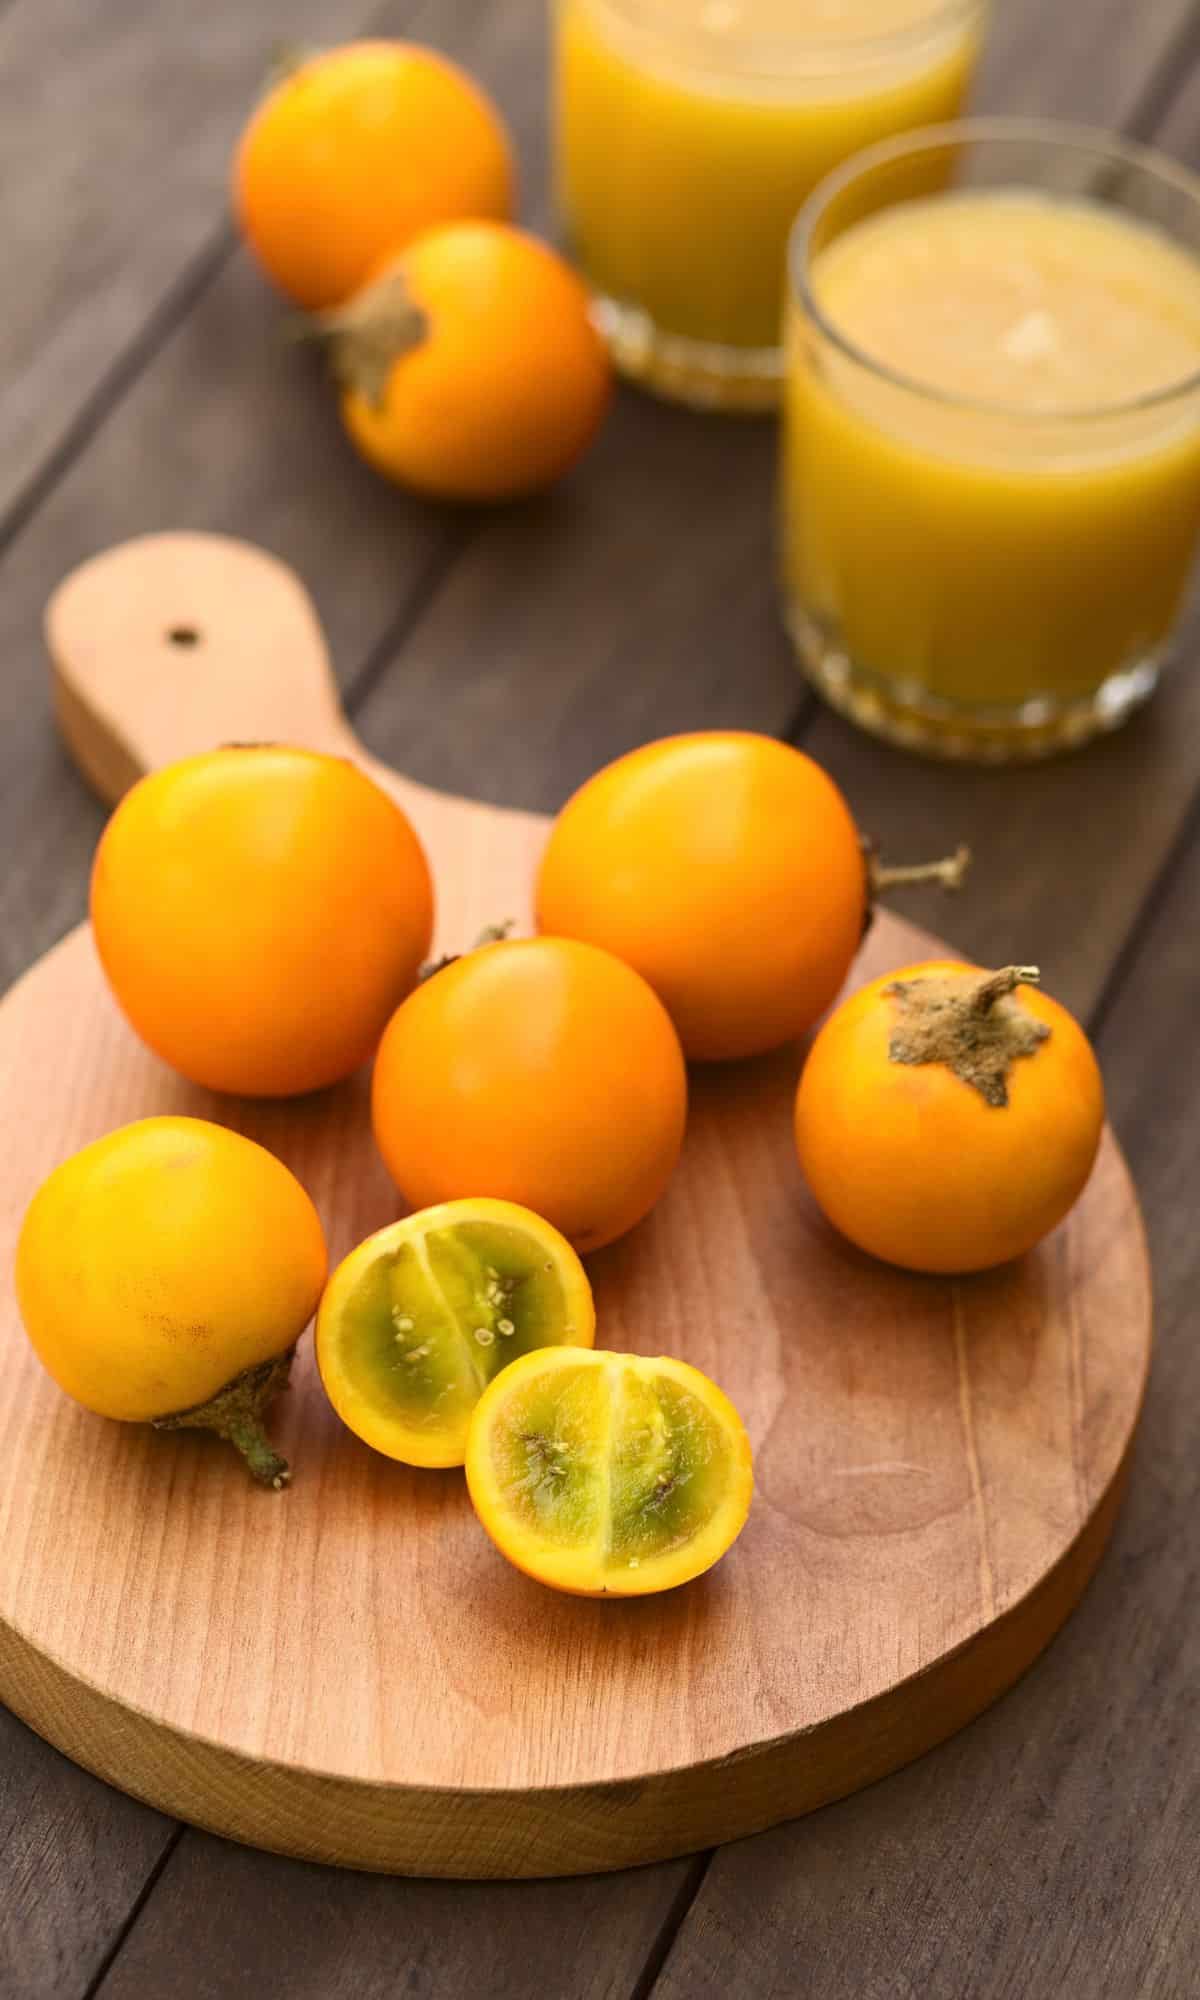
x=174, y=643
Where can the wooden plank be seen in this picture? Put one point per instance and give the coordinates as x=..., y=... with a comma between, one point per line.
x=222, y=1921
x=229, y=427
x=1005, y=1862
x=75, y=1858
x=132, y=137
x=619, y=607
x=179, y=449
x=583, y=621
x=128, y=200
x=198, y=485
x=129, y=111
x=1091, y=63
x=177, y=446
x=267, y=1748
x=1064, y=853
x=1051, y=1848
x=1177, y=103
x=632, y=602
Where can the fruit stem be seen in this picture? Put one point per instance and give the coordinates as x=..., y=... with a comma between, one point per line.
x=997, y=984
x=949, y=873
x=235, y=1413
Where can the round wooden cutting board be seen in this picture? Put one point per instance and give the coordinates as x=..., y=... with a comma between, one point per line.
x=348, y=1670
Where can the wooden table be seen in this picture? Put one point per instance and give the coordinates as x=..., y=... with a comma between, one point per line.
x=1050, y=1850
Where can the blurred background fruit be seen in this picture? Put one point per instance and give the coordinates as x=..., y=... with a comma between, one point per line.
x=469, y=367
x=355, y=152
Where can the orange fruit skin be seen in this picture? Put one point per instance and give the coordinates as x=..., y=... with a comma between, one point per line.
x=260, y=912
x=915, y=1167
x=511, y=382
x=357, y=151
x=539, y=1071
x=726, y=867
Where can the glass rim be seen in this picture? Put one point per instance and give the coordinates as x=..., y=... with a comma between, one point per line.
x=766, y=55
x=1108, y=147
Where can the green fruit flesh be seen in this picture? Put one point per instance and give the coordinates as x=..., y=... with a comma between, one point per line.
x=550, y=1457
x=670, y=1468
x=433, y=1321
x=606, y=1457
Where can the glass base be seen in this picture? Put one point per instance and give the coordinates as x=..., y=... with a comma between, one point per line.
x=701, y=373
x=909, y=716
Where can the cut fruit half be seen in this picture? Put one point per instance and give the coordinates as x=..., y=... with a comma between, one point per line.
x=419, y=1319
x=608, y=1474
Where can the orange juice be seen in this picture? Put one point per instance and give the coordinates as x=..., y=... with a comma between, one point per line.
x=689, y=132
x=992, y=465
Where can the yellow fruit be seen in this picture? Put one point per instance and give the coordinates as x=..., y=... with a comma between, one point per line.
x=608, y=1473
x=421, y=1317
x=165, y=1273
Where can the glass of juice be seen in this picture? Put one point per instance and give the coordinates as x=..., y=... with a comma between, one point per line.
x=991, y=438
x=688, y=132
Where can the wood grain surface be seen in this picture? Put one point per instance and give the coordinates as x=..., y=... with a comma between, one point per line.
x=1047, y=1850
x=136, y=235
x=1050, y=1850
x=352, y=1674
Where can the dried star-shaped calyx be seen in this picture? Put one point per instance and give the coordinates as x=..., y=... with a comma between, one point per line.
x=366, y=337
x=978, y=1030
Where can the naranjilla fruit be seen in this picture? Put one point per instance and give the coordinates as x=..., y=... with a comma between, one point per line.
x=164, y=1275
x=608, y=1474
x=538, y=1070
x=947, y=1118
x=469, y=367
x=260, y=912
x=357, y=150
x=727, y=869
x=420, y=1318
